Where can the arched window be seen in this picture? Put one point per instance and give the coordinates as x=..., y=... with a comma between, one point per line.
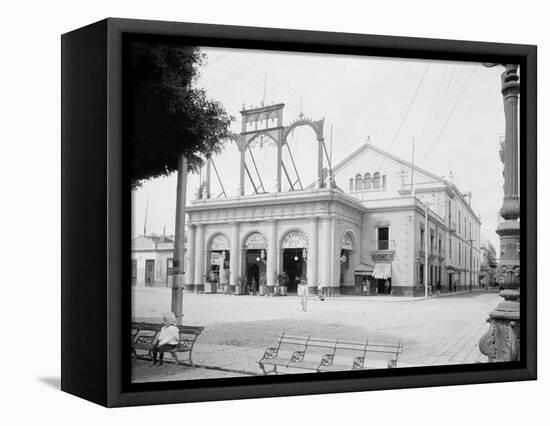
x=358, y=182
x=383, y=181
x=351, y=184
x=376, y=181
x=368, y=181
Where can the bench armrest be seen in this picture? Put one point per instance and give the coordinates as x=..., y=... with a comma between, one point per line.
x=270, y=353
x=326, y=360
x=298, y=356
x=358, y=363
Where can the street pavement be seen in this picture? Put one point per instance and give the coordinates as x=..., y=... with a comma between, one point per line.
x=238, y=329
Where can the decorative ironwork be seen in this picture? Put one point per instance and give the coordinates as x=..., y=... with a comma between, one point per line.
x=297, y=356
x=358, y=363
x=185, y=345
x=327, y=360
x=261, y=140
x=295, y=239
x=145, y=340
x=347, y=242
x=256, y=240
x=219, y=242
x=271, y=353
x=382, y=257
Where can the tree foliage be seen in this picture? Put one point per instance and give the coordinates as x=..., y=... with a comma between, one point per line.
x=168, y=117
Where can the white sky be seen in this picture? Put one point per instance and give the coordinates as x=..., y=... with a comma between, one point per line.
x=456, y=119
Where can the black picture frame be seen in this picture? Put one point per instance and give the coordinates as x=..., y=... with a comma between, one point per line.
x=96, y=212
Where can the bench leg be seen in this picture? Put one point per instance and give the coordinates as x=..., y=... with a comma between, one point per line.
x=263, y=369
x=266, y=372
x=175, y=356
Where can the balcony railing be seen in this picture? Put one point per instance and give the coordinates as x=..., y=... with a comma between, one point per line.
x=452, y=227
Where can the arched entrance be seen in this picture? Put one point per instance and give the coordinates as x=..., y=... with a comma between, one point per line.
x=255, y=258
x=294, y=252
x=218, y=257
x=347, y=251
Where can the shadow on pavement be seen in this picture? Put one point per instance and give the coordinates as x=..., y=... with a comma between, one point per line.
x=54, y=382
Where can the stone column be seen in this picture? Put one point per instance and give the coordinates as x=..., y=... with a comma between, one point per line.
x=312, y=256
x=334, y=288
x=325, y=253
x=234, y=261
x=190, y=270
x=271, y=265
x=200, y=256
x=502, y=340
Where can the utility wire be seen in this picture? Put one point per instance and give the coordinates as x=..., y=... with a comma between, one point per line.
x=444, y=104
x=236, y=75
x=457, y=100
x=405, y=115
x=434, y=102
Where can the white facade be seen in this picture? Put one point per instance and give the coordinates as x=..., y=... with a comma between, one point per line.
x=362, y=236
x=151, y=260
x=454, y=231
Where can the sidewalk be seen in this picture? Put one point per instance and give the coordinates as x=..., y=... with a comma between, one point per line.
x=389, y=298
x=213, y=360
x=238, y=329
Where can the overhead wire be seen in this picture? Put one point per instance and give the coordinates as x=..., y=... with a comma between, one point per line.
x=435, y=100
x=418, y=86
x=457, y=101
x=444, y=104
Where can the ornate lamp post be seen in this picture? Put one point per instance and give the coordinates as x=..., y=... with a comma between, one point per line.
x=501, y=342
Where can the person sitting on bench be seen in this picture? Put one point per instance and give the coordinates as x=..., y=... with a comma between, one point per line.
x=168, y=337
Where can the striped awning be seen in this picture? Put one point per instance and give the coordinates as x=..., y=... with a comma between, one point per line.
x=382, y=271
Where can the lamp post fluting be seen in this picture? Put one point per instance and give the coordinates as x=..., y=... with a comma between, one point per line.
x=501, y=342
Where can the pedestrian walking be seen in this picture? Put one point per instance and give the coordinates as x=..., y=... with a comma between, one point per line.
x=168, y=338
x=438, y=288
x=320, y=291
x=302, y=292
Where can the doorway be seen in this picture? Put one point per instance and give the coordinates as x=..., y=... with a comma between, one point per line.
x=149, y=273
x=295, y=267
x=255, y=270
x=383, y=285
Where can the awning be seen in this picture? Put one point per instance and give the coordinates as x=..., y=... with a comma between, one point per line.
x=382, y=271
x=363, y=269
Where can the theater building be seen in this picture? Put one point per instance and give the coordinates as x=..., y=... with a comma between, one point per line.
x=357, y=230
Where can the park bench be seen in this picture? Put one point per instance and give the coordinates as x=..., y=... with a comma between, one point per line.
x=323, y=355
x=144, y=336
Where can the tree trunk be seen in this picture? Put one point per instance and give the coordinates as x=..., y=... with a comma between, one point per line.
x=179, y=243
